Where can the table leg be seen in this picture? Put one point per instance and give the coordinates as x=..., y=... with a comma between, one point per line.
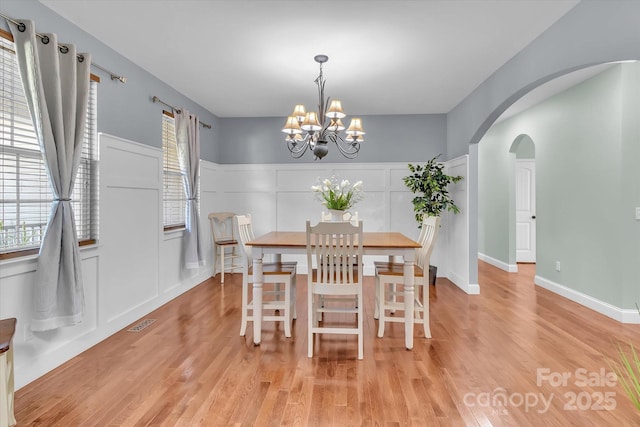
x=257, y=299
x=277, y=258
x=408, y=303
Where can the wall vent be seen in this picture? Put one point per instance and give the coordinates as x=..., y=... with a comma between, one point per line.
x=140, y=326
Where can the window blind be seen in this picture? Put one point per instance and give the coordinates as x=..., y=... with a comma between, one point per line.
x=174, y=199
x=25, y=194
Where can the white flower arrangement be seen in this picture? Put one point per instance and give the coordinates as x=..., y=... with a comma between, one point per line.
x=339, y=196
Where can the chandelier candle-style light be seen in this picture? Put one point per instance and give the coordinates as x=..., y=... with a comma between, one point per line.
x=313, y=130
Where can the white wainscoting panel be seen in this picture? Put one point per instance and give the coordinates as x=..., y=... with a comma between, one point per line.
x=39, y=352
x=456, y=227
x=283, y=199
x=130, y=225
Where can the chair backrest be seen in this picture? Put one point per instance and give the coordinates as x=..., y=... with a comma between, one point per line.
x=427, y=239
x=332, y=246
x=222, y=226
x=245, y=234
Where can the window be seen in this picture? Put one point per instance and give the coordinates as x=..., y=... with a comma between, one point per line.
x=25, y=195
x=174, y=199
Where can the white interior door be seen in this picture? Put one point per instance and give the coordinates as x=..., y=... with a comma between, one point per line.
x=525, y=211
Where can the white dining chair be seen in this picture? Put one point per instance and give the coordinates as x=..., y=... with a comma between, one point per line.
x=331, y=247
x=225, y=244
x=390, y=282
x=279, y=294
x=7, y=389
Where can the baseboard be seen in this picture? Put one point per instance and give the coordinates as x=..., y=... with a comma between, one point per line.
x=510, y=268
x=622, y=315
x=459, y=281
x=473, y=289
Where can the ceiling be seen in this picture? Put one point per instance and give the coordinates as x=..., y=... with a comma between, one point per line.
x=254, y=58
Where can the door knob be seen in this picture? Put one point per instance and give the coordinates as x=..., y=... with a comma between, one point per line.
x=533, y=217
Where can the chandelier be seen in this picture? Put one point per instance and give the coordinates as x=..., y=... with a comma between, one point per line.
x=311, y=130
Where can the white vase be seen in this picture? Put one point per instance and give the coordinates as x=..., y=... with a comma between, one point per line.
x=337, y=215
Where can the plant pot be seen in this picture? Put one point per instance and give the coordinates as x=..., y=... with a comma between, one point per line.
x=432, y=274
x=337, y=215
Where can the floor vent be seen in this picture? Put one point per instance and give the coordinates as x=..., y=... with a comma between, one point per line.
x=140, y=326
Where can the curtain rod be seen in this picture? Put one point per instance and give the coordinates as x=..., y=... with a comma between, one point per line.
x=64, y=49
x=156, y=99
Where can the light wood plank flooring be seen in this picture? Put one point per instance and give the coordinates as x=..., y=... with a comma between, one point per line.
x=483, y=366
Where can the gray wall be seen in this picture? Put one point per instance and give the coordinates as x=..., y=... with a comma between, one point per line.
x=396, y=138
x=629, y=250
x=124, y=110
x=593, y=32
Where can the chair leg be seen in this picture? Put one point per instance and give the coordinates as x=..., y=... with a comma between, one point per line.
x=245, y=308
x=382, y=308
x=376, y=308
x=7, y=417
x=222, y=265
x=360, y=327
x=425, y=312
x=293, y=297
x=214, y=261
x=287, y=308
x=394, y=293
x=310, y=322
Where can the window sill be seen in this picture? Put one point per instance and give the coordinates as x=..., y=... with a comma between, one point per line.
x=32, y=255
x=173, y=233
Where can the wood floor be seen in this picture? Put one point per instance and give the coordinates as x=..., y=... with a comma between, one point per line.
x=515, y=355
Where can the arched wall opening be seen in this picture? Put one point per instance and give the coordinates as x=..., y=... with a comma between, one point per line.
x=585, y=145
x=591, y=33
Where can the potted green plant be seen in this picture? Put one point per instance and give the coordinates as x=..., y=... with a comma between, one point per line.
x=429, y=183
x=627, y=371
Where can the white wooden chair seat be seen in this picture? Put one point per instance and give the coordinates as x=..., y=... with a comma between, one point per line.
x=396, y=269
x=278, y=284
x=390, y=283
x=336, y=279
x=274, y=297
x=225, y=244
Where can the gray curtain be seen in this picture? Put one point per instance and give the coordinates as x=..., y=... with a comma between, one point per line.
x=56, y=83
x=188, y=147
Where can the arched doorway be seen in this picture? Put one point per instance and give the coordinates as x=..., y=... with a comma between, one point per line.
x=524, y=200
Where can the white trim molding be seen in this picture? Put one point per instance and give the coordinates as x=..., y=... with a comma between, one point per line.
x=622, y=315
x=510, y=268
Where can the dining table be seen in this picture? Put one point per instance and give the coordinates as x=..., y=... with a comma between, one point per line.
x=389, y=243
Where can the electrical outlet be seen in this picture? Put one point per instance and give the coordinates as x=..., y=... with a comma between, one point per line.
x=637, y=213
x=557, y=265
x=28, y=334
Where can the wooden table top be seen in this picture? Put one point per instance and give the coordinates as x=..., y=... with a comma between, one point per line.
x=7, y=329
x=371, y=240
